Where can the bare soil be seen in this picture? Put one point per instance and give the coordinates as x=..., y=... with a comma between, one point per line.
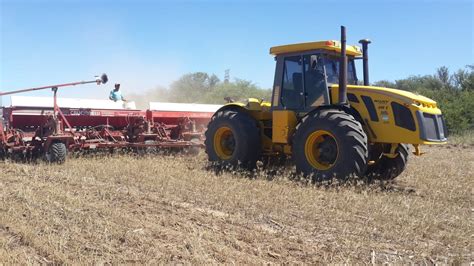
x=170, y=209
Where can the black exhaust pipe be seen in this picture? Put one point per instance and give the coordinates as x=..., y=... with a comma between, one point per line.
x=365, y=60
x=343, y=69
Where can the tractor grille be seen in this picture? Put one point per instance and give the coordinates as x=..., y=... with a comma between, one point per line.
x=432, y=127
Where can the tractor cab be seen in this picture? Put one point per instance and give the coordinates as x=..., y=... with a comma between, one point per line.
x=309, y=76
x=305, y=72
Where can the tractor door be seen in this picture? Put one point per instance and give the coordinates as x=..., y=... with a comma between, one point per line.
x=302, y=84
x=292, y=90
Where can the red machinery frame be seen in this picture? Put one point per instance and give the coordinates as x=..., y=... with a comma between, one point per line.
x=31, y=131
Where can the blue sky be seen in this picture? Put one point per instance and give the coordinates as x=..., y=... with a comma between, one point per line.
x=144, y=44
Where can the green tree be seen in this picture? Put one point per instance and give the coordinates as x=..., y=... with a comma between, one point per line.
x=464, y=78
x=442, y=74
x=191, y=87
x=201, y=87
x=454, y=94
x=238, y=90
x=385, y=83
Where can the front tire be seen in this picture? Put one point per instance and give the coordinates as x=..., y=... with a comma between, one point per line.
x=57, y=153
x=233, y=139
x=330, y=143
x=387, y=168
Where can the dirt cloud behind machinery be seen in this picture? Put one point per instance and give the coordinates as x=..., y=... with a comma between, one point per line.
x=200, y=87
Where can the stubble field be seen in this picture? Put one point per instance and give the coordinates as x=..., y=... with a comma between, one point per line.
x=126, y=209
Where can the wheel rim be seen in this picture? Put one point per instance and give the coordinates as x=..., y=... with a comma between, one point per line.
x=224, y=143
x=321, y=150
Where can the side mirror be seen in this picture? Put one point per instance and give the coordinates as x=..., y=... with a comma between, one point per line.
x=102, y=79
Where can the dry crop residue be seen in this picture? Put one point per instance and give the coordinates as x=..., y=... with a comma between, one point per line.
x=170, y=209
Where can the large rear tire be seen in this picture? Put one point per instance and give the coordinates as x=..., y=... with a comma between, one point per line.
x=57, y=153
x=386, y=168
x=233, y=139
x=330, y=143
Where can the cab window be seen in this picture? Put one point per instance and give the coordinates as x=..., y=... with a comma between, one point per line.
x=314, y=80
x=331, y=64
x=292, y=87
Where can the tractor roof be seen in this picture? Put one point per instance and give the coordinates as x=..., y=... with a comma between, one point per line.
x=307, y=46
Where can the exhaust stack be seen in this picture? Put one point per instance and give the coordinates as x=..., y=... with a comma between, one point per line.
x=365, y=60
x=343, y=69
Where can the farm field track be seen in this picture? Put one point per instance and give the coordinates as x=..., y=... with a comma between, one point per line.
x=165, y=209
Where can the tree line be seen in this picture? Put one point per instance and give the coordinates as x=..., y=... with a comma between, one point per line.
x=200, y=87
x=454, y=92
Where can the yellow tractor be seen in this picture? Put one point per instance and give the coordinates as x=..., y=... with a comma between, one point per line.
x=321, y=117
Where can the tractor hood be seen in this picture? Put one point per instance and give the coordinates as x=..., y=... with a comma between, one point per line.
x=405, y=96
x=396, y=116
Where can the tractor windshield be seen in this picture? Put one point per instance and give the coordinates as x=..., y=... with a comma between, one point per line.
x=331, y=64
